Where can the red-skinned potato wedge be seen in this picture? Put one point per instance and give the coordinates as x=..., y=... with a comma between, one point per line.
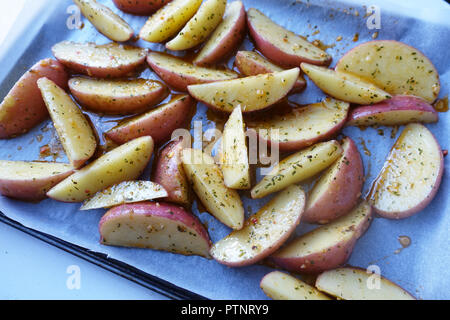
x=326, y=247
x=394, y=67
x=159, y=226
x=338, y=189
x=282, y=286
x=124, y=163
x=303, y=126
x=354, y=284
x=158, y=123
x=179, y=74
x=395, y=111
x=170, y=174
x=102, y=61
x=117, y=96
x=411, y=175
x=140, y=7
x=280, y=45
x=264, y=232
x=23, y=107
x=252, y=93
x=227, y=36
x=250, y=63
x=30, y=181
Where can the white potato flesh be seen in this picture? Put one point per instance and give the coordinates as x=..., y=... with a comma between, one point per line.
x=394, y=67
x=208, y=183
x=169, y=20
x=234, y=153
x=282, y=286
x=125, y=192
x=201, y=25
x=298, y=167
x=123, y=163
x=357, y=284
x=251, y=93
x=74, y=131
x=411, y=174
x=344, y=86
x=264, y=232
x=105, y=20
x=19, y=170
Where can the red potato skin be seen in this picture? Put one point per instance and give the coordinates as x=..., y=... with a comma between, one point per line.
x=29, y=108
x=140, y=7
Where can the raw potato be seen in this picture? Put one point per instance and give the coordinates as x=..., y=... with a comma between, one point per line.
x=281, y=286
x=74, y=131
x=140, y=7
x=179, y=74
x=234, y=153
x=303, y=126
x=30, y=181
x=158, y=123
x=251, y=93
x=169, y=20
x=159, y=226
x=298, y=167
x=264, y=232
x=125, y=192
x=102, y=61
x=394, y=67
x=411, y=175
x=354, y=284
x=23, y=107
x=250, y=63
x=208, y=183
x=395, y=111
x=339, y=188
x=344, y=86
x=280, y=45
x=200, y=26
x=117, y=96
x=227, y=36
x=123, y=163
x=105, y=20
x=327, y=247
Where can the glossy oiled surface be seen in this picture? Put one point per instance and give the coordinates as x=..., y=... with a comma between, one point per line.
x=16, y=170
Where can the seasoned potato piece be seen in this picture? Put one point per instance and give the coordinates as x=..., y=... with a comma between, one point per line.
x=140, y=7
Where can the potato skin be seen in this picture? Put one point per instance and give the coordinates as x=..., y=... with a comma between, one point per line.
x=140, y=7
x=23, y=107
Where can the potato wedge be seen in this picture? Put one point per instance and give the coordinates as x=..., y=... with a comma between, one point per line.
x=298, y=167
x=344, y=86
x=23, y=107
x=140, y=7
x=200, y=26
x=356, y=284
x=117, y=96
x=264, y=232
x=326, y=247
x=395, y=111
x=102, y=61
x=339, y=188
x=394, y=67
x=227, y=36
x=282, y=286
x=159, y=226
x=251, y=93
x=303, y=126
x=208, y=183
x=169, y=20
x=250, y=63
x=411, y=175
x=234, y=155
x=105, y=20
x=158, y=123
x=125, y=192
x=179, y=74
x=123, y=163
x=280, y=45
x=30, y=181
x=74, y=131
